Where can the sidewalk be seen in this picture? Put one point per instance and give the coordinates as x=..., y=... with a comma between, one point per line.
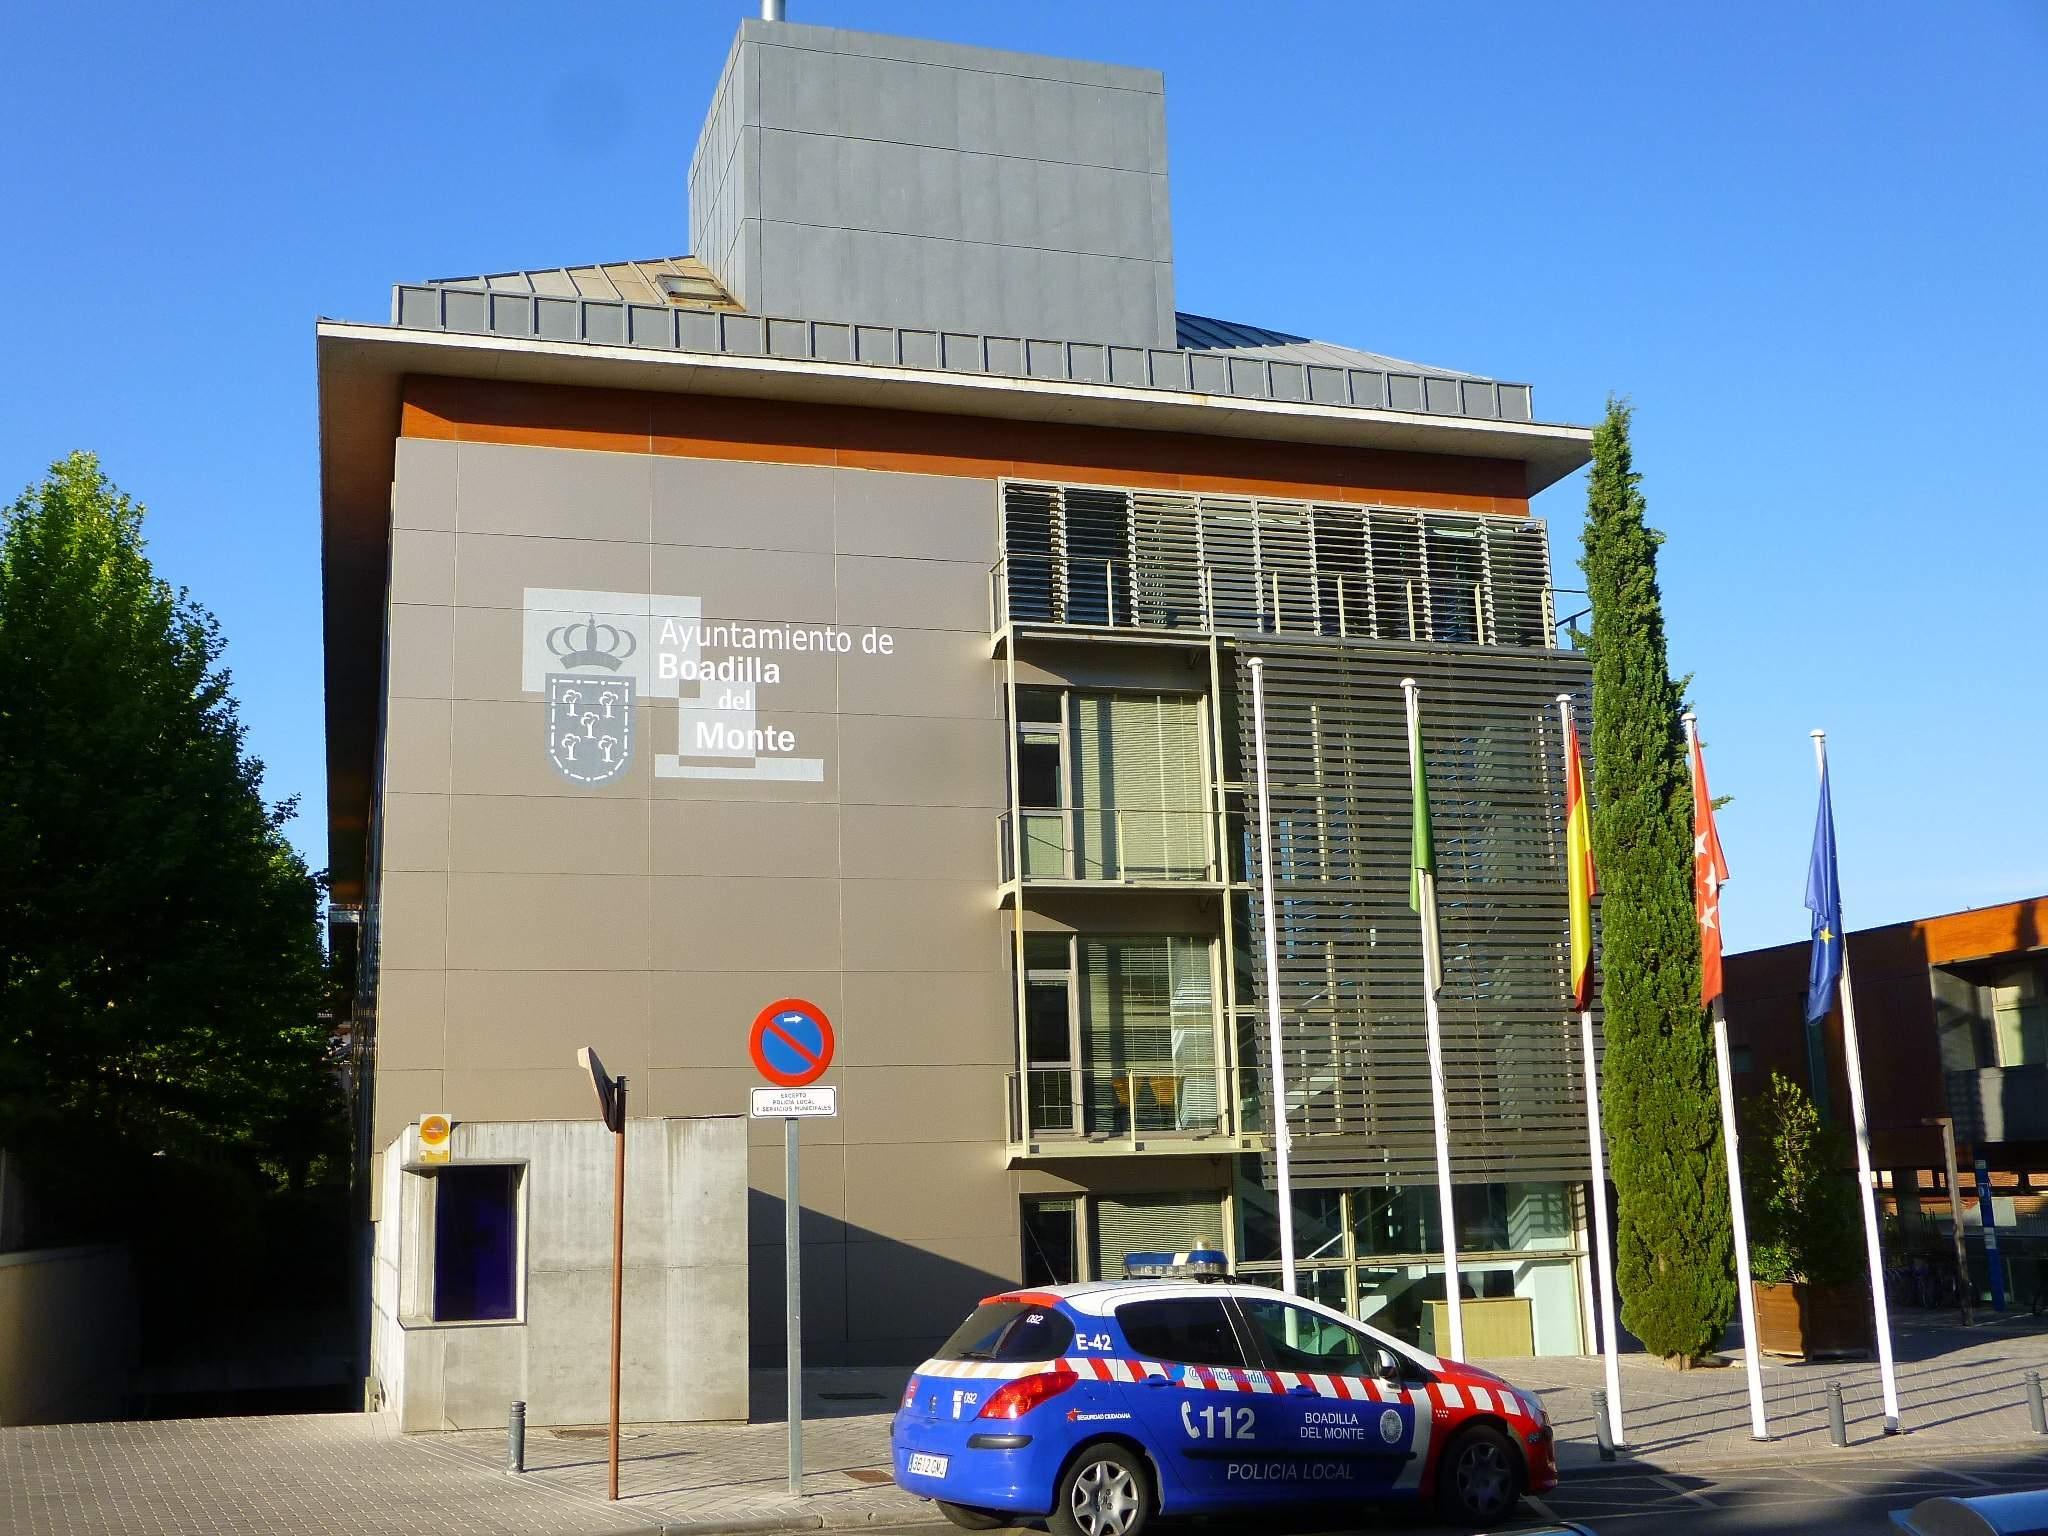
x=348, y=1475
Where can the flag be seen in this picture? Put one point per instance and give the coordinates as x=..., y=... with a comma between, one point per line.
x=1709, y=874
x=1423, y=845
x=1582, y=884
x=1824, y=901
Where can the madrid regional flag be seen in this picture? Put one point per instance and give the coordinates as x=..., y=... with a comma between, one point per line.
x=1581, y=883
x=1709, y=874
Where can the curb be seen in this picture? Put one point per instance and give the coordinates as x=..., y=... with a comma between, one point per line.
x=850, y=1522
x=1883, y=1449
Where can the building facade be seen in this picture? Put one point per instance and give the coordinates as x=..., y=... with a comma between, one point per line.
x=1953, y=1013
x=860, y=609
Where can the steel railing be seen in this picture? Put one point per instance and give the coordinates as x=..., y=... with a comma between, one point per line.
x=1119, y=844
x=1097, y=1105
x=1207, y=598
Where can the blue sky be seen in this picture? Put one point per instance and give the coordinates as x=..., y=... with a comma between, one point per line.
x=1806, y=240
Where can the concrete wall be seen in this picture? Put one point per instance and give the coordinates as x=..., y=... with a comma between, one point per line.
x=685, y=1318
x=652, y=915
x=67, y=1334
x=846, y=176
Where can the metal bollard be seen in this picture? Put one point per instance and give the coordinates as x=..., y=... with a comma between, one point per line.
x=2035, y=1409
x=515, y=1437
x=1838, y=1426
x=1602, y=1424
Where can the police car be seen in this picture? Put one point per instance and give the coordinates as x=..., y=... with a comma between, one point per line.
x=1097, y=1406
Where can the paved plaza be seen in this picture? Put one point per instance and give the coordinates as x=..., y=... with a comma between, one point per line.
x=1963, y=1398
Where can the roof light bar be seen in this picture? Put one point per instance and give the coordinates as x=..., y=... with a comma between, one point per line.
x=1195, y=1264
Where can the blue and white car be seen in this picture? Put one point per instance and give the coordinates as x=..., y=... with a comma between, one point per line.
x=1095, y=1407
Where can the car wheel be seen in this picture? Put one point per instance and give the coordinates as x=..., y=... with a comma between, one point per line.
x=969, y=1519
x=1106, y=1492
x=1479, y=1478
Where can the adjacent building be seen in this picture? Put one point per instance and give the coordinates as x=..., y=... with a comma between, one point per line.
x=858, y=608
x=1952, y=1014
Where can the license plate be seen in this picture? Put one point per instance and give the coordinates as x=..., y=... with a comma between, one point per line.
x=924, y=1464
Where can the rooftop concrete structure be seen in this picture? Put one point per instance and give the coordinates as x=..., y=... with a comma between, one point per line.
x=901, y=182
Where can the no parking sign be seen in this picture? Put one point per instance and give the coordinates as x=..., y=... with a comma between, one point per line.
x=791, y=1042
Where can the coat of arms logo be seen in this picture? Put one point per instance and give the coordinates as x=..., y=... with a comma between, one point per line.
x=590, y=707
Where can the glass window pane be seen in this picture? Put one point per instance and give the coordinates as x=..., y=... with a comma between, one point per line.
x=1318, y=1220
x=1009, y=1330
x=1039, y=705
x=1301, y=1340
x=476, y=1243
x=1048, y=1028
x=1185, y=1331
x=1152, y=1224
x=1492, y=1218
x=1050, y=1247
x=1038, y=772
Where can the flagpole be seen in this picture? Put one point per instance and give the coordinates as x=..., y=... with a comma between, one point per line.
x=1603, y=1242
x=1745, y=1296
x=1432, y=974
x=1853, y=1061
x=1282, y=1137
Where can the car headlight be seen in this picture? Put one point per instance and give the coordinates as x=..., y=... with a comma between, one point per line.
x=1535, y=1403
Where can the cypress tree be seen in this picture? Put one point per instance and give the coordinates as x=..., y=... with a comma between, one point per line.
x=1675, y=1251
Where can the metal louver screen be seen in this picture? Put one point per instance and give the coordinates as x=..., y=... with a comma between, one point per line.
x=1153, y=1224
x=1236, y=565
x=1350, y=949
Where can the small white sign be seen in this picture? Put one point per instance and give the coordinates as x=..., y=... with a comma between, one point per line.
x=794, y=1103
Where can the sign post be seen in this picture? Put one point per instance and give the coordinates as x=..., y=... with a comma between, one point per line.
x=611, y=1109
x=1994, y=1266
x=1955, y=1214
x=792, y=1044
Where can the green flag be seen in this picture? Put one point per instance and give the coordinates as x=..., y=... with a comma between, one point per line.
x=1424, y=844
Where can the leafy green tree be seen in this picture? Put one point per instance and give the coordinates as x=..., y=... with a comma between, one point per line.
x=161, y=978
x=1804, y=1222
x=1675, y=1251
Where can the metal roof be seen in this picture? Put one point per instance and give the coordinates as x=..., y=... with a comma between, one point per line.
x=1201, y=333
x=681, y=280
x=675, y=304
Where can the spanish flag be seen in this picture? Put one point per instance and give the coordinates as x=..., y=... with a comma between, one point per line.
x=1578, y=858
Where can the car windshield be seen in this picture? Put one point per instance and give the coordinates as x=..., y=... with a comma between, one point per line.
x=1009, y=1330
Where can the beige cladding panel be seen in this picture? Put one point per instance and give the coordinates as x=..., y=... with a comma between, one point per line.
x=652, y=915
x=743, y=506
x=529, y=1019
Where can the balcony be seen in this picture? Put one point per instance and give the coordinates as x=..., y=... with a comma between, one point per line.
x=1117, y=845
x=1097, y=1111
x=1999, y=1103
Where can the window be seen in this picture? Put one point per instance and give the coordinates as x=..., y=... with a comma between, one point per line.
x=476, y=1243
x=2019, y=1014
x=1052, y=1248
x=1301, y=1340
x=1052, y=1074
x=1193, y=1330
x=1148, y=1030
x=1141, y=783
x=1153, y=1224
x=1009, y=1330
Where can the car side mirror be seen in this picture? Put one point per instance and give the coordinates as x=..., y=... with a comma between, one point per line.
x=1389, y=1367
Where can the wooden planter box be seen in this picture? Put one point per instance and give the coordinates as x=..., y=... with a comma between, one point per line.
x=1813, y=1320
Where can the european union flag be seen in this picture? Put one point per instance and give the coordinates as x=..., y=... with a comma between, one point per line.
x=1824, y=901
